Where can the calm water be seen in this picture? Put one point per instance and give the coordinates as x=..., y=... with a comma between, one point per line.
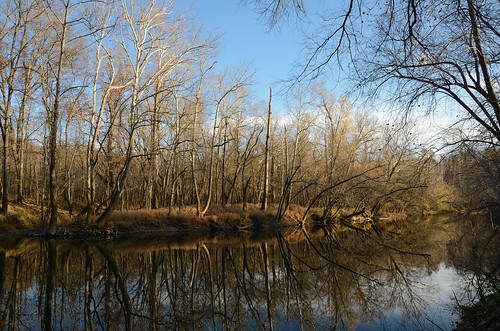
x=399, y=276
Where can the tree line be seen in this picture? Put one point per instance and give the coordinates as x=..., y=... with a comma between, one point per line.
x=425, y=57
x=120, y=104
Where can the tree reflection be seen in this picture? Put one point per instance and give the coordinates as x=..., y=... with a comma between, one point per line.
x=49, y=285
x=305, y=279
x=89, y=280
x=477, y=259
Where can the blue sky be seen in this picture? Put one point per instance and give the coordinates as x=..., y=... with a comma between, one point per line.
x=245, y=37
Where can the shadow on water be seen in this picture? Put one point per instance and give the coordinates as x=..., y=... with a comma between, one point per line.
x=400, y=275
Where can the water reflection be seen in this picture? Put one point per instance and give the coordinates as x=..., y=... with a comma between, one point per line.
x=395, y=276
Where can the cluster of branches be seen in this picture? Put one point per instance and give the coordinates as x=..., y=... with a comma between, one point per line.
x=433, y=56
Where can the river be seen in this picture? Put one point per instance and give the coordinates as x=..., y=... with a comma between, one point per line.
x=403, y=275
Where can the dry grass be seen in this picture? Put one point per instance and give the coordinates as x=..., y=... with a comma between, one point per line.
x=26, y=217
x=217, y=217
x=180, y=222
x=20, y=217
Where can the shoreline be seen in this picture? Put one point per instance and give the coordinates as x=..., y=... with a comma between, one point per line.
x=23, y=220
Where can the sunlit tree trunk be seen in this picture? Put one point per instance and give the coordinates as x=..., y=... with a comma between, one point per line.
x=53, y=123
x=196, y=111
x=211, y=162
x=265, y=191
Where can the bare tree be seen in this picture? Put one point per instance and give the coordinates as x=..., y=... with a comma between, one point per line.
x=226, y=86
x=137, y=26
x=21, y=41
x=28, y=84
x=295, y=154
x=196, y=113
x=265, y=192
x=101, y=21
x=153, y=46
x=59, y=17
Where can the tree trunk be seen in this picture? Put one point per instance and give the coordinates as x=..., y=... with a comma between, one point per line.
x=479, y=53
x=223, y=173
x=193, y=148
x=266, y=159
x=5, y=177
x=268, y=286
x=54, y=119
x=211, y=166
x=153, y=162
x=20, y=141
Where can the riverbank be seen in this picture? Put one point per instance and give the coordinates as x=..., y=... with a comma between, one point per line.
x=25, y=220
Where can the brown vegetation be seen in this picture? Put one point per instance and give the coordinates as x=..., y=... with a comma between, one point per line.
x=24, y=219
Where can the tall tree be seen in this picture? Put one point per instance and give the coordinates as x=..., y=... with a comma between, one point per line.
x=154, y=42
x=136, y=40
x=193, y=150
x=59, y=16
x=16, y=31
x=227, y=85
x=265, y=191
x=103, y=83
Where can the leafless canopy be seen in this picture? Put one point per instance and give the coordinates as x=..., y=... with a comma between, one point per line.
x=415, y=51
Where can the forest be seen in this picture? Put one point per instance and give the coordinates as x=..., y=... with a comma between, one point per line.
x=146, y=186
x=118, y=105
